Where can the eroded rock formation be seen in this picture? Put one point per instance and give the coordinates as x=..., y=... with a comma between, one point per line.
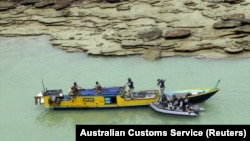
x=203, y=28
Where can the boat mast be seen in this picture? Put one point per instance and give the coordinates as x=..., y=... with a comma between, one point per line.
x=217, y=84
x=43, y=87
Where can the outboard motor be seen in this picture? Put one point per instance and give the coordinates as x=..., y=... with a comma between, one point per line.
x=196, y=111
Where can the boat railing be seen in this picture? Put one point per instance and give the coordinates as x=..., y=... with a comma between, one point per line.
x=53, y=92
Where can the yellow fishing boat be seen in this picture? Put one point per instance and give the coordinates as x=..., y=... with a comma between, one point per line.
x=109, y=97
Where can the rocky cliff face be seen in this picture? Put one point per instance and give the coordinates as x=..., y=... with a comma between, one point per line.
x=151, y=28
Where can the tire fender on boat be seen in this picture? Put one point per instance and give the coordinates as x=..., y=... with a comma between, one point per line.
x=49, y=101
x=58, y=100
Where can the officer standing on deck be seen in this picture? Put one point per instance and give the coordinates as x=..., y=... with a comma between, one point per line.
x=130, y=84
x=161, y=84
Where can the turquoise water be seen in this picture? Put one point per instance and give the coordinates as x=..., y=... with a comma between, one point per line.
x=25, y=61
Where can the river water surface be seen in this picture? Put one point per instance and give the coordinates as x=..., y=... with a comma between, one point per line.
x=26, y=61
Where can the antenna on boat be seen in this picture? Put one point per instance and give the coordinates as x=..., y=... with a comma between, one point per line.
x=217, y=84
x=43, y=87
